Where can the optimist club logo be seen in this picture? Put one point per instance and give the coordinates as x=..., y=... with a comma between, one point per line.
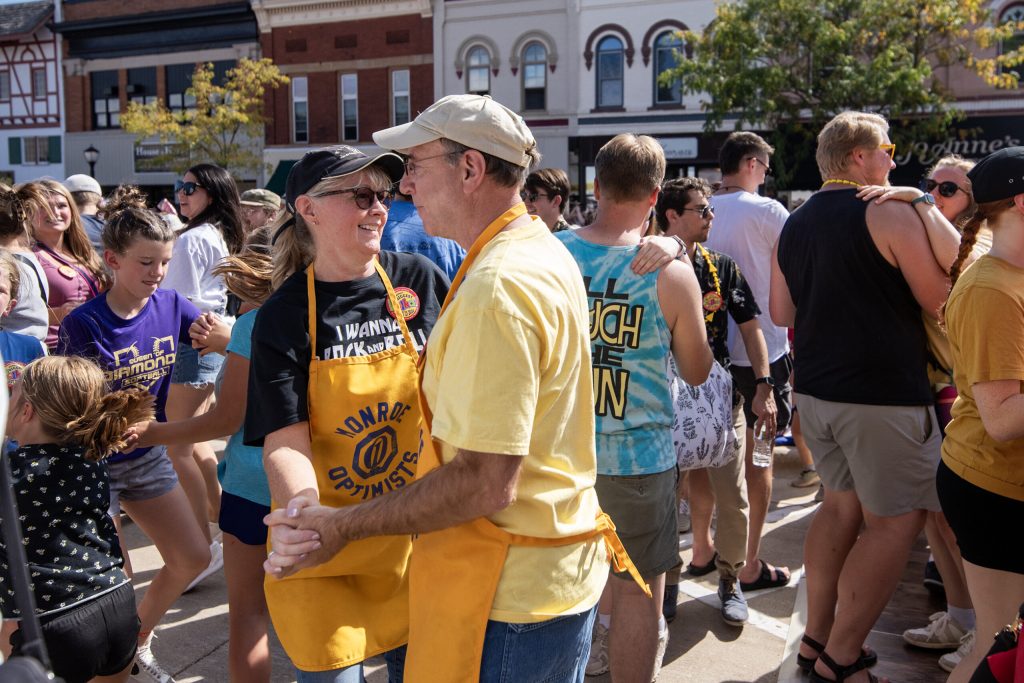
x=375, y=452
x=379, y=465
x=408, y=302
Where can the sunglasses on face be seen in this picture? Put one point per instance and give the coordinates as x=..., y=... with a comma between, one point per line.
x=364, y=196
x=702, y=211
x=889, y=148
x=189, y=188
x=767, y=168
x=532, y=196
x=947, y=189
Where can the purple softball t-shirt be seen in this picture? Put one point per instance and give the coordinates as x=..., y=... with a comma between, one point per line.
x=132, y=353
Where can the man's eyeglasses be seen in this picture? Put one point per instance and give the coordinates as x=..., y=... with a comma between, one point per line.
x=412, y=166
x=947, y=188
x=767, y=168
x=188, y=187
x=890, y=148
x=532, y=196
x=702, y=211
x=364, y=196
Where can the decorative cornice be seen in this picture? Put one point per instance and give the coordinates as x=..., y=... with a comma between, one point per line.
x=588, y=52
x=646, y=50
x=271, y=14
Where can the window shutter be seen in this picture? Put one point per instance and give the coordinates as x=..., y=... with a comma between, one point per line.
x=54, y=152
x=14, y=150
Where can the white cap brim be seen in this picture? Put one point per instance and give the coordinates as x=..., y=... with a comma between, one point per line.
x=405, y=136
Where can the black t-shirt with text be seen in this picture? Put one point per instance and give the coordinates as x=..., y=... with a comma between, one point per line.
x=353, y=319
x=736, y=300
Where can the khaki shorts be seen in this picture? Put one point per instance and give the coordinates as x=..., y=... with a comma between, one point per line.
x=888, y=455
x=643, y=509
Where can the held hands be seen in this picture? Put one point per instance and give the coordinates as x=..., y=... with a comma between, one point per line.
x=765, y=409
x=655, y=252
x=882, y=193
x=303, y=534
x=209, y=334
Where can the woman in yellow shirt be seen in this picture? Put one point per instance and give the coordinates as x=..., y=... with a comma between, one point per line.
x=981, y=478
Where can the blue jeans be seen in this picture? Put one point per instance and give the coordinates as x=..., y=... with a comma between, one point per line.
x=554, y=651
x=354, y=674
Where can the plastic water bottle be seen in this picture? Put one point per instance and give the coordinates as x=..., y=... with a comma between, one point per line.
x=762, y=448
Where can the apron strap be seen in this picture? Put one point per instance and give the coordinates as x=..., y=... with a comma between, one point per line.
x=311, y=309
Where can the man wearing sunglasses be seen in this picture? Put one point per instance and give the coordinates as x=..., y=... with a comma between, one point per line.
x=746, y=228
x=546, y=194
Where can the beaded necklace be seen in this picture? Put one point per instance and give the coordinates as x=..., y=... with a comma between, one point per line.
x=840, y=181
x=712, y=301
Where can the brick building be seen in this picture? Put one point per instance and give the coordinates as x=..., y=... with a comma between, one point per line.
x=31, y=127
x=355, y=67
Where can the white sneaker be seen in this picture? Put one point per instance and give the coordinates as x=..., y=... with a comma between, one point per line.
x=149, y=669
x=949, y=660
x=598, y=662
x=216, y=563
x=943, y=632
x=662, y=644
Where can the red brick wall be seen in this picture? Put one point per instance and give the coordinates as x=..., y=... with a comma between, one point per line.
x=76, y=96
x=371, y=36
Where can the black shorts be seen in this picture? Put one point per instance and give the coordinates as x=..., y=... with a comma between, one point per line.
x=243, y=519
x=97, y=638
x=743, y=382
x=983, y=522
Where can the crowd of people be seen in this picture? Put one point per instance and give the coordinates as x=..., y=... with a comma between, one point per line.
x=462, y=432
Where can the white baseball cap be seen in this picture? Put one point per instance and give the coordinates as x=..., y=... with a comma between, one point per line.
x=82, y=183
x=475, y=121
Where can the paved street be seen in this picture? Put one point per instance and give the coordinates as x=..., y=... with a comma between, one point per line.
x=192, y=642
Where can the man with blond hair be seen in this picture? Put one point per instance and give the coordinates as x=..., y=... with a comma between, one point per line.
x=638, y=324
x=853, y=276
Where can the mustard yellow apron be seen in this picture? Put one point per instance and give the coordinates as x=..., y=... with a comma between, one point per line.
x=454, y=573
x=364, y=422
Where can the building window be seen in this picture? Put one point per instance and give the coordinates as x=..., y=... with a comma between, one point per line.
x=666, y=48
x=400, y=97
x=349, y=107
x=39, y=84
x=40, y=150
x=142, y=85
x=610, y=59
x=5, y=85
x=535, y=77
x=300, y=109
x=478, y=71
x=106, y=107
x=1013, y=14
x=179, y=79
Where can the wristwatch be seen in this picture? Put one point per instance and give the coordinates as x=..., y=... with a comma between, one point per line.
x=770, y=381
x=926, y=198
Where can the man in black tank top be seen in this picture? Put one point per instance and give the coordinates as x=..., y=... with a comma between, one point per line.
x=852, y=274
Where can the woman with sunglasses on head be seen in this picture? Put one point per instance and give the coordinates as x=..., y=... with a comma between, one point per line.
x=333, y=401
x=979, y=479
x=208, y=198
x=73, y=271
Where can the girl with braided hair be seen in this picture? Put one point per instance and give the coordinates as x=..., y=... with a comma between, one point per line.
x=30, y=314
x=979, y=480
x=62, y=423
x=135, y=331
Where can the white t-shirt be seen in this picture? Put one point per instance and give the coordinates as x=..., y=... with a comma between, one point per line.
x=746, y=227
x=196, y=253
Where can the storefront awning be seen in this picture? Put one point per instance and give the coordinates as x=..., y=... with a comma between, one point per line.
x=280, y=175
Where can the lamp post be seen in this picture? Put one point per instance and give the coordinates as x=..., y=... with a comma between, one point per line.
x=92, y=155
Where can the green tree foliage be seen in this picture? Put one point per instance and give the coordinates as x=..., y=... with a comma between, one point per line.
x=788, y=66
x=225, y=125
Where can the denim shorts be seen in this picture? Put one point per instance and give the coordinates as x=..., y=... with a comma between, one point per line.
x=149, y=476
x=555, y=650
x=194, y=370
x=243, y=519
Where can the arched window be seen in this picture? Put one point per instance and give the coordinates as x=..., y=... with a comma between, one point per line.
x=666, y=48
x=609, y=72
x=478, y=71
x=535, y=77
x=1013, y=14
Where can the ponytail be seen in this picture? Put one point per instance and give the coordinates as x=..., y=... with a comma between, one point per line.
x=982, y=214
x=293, y=250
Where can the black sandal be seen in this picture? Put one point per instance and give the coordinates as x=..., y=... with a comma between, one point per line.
x=867, y=655
x=841, y=672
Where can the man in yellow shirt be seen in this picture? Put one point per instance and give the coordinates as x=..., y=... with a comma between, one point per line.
x=510, y=556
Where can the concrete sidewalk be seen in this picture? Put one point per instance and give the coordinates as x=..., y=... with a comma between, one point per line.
x=191, y=642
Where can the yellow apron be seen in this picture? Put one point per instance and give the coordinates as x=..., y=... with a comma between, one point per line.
x=365, y=427
x=454, y=573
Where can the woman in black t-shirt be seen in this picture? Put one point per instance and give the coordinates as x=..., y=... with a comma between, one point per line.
x=333, y=398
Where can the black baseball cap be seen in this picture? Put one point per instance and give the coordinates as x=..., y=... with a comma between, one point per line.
x=1000, y=175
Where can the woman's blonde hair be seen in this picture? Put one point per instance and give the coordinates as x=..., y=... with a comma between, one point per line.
x=843, y=134
x=250, y=274
x=76, y=241
x=958, y=162
x=294, y=248
x=129, y=218
x=18, y=206
x=70, y=396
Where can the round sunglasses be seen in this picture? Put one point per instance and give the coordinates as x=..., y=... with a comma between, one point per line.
x=947, y=188
x=364, y=196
